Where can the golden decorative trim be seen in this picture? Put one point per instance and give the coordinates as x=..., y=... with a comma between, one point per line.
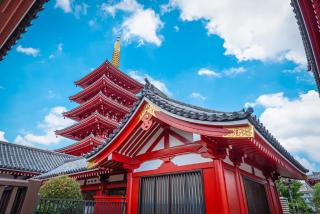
x=240, y=132
x=91, y=164
x=149, y=108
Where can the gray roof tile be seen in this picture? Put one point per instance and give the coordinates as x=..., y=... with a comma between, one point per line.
x=29, y=159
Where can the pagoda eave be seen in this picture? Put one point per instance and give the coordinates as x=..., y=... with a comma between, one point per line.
x=96, y=88
x=136, y=87
x=95, y=120
x=100, y=98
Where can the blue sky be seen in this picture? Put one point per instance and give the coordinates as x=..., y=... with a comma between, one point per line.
x=218, y=55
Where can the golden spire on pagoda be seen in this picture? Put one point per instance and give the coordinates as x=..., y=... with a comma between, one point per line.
x=116, y=53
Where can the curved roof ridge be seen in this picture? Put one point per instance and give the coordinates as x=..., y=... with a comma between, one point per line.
x=151, y=88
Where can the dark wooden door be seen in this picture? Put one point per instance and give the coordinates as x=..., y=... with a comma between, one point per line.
x=256, y=197
x=172, y=194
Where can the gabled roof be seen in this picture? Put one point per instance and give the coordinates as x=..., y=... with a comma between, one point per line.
x=28, y=159
x=198, y=114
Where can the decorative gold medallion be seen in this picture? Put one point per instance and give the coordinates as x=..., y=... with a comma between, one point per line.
x=146, y=116
x=240, y=132
x=149, y=108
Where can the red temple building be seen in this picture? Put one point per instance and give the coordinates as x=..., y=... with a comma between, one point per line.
x=165, y=156
x=153, y=154
x=107, y=96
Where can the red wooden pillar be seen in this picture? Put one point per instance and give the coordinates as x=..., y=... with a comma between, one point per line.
x=129, y=192
x=210, y=190
x=134, y=196
x=240, y=190
x=221, y=186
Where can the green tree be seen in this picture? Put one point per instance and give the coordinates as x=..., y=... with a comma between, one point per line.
x=316, y=196
x=290, y=189
x=61, y=187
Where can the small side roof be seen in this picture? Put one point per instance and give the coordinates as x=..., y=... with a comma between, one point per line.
x=28, y=159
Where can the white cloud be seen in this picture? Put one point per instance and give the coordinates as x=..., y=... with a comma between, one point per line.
x=196, y=95
x=68, y=6
x=52, y=121
x=234, y=71
x=65, y=5
x=208, y=72
x=176, y=28
x=251, y=29
x=159, y=84
x=295, y=122
x=125, y=5
x=28, y=51
x=2, y=138
x=141, y=25
x=230, y=72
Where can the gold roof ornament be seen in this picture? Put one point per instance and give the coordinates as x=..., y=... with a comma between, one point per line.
x=116, y=53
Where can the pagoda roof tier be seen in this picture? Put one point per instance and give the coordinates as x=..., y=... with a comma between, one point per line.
x=93, y=103
x=76, y=131
x=99, y=86
x=81, y=147
x=112, y=73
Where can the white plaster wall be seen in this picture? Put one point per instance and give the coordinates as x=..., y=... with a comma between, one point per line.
x=188, y=159
x=149, y=165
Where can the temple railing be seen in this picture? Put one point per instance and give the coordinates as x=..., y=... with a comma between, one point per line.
x=65, y=206
x=18, y=196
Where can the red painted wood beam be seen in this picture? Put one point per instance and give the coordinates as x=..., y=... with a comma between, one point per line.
x=123, y=159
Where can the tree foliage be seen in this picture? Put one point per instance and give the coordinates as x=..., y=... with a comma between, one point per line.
x=297, y=203
x=61, y=187
x=316, y=196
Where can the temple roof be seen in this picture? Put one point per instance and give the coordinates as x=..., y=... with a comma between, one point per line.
x=102, y=81
x=301, y=19
x=98, y=98
x=28, y=159
x=73, y=166
x=190, y=112
x=18, y=18
x=94, y=118
x=101, y=70
x=82, y=143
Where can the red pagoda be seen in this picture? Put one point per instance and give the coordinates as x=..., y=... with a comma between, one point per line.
x=107, y=96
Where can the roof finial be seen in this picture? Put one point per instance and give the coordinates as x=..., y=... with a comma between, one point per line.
x=116, y=53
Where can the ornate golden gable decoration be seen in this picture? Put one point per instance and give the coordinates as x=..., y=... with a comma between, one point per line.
x=240, y=132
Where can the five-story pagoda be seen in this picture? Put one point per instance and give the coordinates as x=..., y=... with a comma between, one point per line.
x=107, y=96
